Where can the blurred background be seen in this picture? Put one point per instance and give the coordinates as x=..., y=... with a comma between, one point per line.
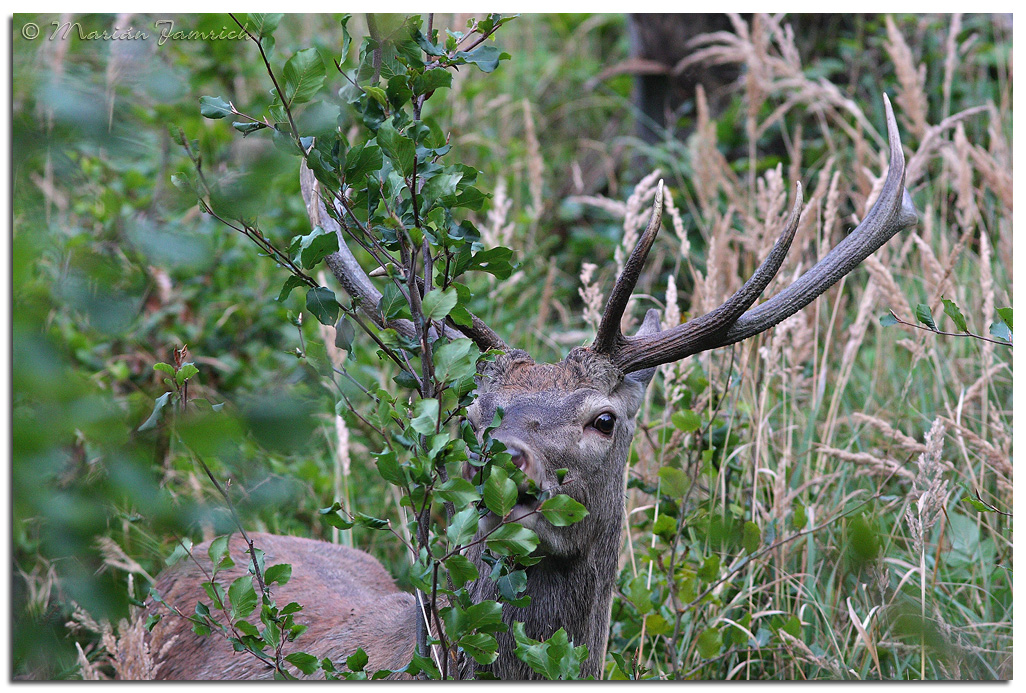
x=114, y=269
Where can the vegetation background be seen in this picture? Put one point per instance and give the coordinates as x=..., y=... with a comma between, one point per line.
x=830, y=500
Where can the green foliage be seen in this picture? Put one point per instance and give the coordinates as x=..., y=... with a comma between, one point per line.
x=555, y=658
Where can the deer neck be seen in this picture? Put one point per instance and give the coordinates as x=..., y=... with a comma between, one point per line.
x=570, y=592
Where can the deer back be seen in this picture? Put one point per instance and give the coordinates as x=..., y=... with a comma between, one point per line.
x=349, y=600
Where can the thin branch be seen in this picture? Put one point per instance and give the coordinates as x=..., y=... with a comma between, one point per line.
x=274, y=80
x=967, y=333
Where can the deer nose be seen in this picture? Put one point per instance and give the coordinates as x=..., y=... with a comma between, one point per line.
x=518, y=456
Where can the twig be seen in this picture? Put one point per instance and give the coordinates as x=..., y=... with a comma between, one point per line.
x=967, y=333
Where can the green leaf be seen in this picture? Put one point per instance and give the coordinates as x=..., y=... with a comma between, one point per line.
x=247, y=128
x=218, y=552
x=799, y=518
x=214, y=107
x=378, y=94
x=186, y=371
x=280, y=574
x=459, y=492
x=495, y=261
x=361, y=160
x=665, y=526
x=655, y=624
x=955, y=314
x=263, y=24
x=1006, y=317
x=437, y=304
x=426, y=45
x=304, y=76
x=640, y=594
x=393, y=303
x=888, y=320
x=675, y=482
x=158, y=407
x=486, y=57
x=345, y=333
x=976, y=504
x=555, y=658
x=243, y=597
x=925, y=316
x=686, y=420
x=500, y=494
x=398, y=91
x=291, y=283
x=248, y=629
x=440, y=186
x=164, y=368
x=751, y=537
x=347, y=39
x=358, y=660
x=511, y=585
x=306, y=663
x=461, y=570
x=317, y=245
x=456, y=361
x=710, y=642
x=397, y=147
x=463, y=526
x=431, y=79
x=419, y=663
x=216, y=592
x=370, y=522
x=332, y=517
x=321, y=303
x=792, y=626
x=1001, y=331
x=512, y=539
x=388, y=467
x=562, y=510
x=481, y=646
x=710, y=569
x=425, y=416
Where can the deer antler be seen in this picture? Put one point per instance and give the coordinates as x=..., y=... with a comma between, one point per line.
x=347, y=270
x=733, y=321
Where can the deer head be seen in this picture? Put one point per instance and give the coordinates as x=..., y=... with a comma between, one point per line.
x=575, y=415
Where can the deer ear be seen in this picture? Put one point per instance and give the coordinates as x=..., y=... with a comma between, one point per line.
x=649, y=326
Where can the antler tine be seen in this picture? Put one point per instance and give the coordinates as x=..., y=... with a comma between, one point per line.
x=347, y=270
x=639, y=352
x=609, y=337
x=892, y=212
x=343, y=264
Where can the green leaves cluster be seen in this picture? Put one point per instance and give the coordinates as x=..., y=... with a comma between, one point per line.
x=1000, y=330
x=396, y=201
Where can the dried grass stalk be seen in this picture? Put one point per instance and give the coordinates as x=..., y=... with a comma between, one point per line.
x=911, y=79
x=535, y=163
x=590, y=293
x=908, y=443
x=874, y=464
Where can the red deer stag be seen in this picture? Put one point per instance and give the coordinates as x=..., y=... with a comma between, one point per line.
x=576, y=415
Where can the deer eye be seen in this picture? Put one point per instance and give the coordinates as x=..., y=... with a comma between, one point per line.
x=604, y=423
